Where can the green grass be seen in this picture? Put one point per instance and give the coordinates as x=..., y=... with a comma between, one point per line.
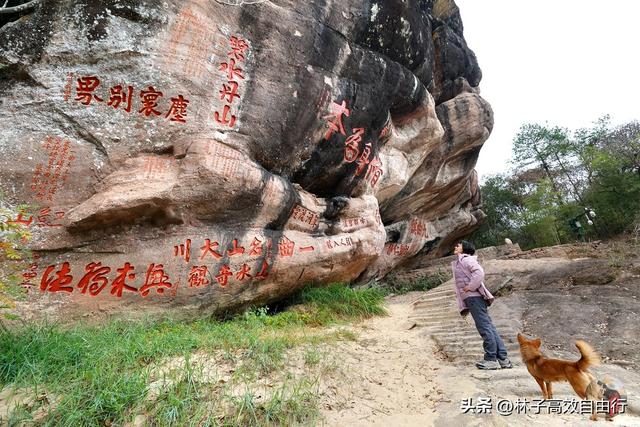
x=423, y=283
x=100, y=375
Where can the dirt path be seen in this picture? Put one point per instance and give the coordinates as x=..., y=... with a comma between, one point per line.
x=393, y=375
x=387, y=377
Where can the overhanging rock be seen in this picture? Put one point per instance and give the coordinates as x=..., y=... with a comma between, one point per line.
x=200, y=156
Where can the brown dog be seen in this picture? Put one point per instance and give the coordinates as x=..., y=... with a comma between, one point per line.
x=545, y=370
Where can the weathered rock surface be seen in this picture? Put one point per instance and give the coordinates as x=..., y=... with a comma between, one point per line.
x=204, y=155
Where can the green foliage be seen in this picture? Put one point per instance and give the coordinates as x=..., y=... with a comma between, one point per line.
x=503, y=205
x=100, y=375
x=392, y=285
x=14, y=253
x=557, y=173
x=338, y=302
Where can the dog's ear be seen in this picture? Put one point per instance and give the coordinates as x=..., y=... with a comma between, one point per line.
x=521, y=338
x=537, y=342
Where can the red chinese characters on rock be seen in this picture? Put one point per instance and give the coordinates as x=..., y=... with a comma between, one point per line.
x=418, y=228
x=95, y=280
x=150, y=98
x=48, y=179
x=233, y=74
x=60, y=281
x=223, y=275
x=334, y=118
x=210, y=249
x=155, y=167
x=121, y=97
x=374, y=171
x=258, y=247
x=184, y=250
x=304, y=215
x=66, y=93
x=363, y=160
x=44, y=218
x=243, y=273
x=155, y=279
x=119, y=284
x=190, y=34
x=224, y=160
x=264, y=271
x=118, y=95
x=354, y=222
x=85, y=88
x=198, y=276
x=336, y=243
x=286, y=247
x=30, y=274
x=352, y=143
x=397, y=249
x=235, y=249
x=178, y=110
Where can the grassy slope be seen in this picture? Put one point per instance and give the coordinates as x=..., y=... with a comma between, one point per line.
x=101, y=375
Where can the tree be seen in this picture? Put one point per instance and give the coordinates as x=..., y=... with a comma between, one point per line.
x=556, y=175
x=502, y=205
x=534, y=147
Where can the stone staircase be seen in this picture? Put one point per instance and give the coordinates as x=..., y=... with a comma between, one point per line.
x=458, y=341
x=456, y=336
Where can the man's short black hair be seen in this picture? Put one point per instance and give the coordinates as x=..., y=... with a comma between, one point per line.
x=467, y=247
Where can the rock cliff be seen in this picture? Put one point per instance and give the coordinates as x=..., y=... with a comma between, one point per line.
x=200, y=156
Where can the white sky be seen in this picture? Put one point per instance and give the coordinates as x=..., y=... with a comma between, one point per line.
x=564, y=62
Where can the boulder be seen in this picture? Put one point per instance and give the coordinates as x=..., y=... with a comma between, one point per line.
x=200, y=156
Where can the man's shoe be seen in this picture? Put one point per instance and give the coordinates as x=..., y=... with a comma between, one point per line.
x=505, y=364
x=488, y=364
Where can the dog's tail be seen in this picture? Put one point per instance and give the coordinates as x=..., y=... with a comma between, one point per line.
x=589, y=356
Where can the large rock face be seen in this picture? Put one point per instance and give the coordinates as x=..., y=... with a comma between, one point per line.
x=202, y=155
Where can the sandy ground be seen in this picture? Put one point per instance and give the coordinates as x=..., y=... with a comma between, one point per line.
x=392, y=375
x=387, y=377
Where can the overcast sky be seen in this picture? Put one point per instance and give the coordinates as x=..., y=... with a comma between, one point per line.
x=564, y=62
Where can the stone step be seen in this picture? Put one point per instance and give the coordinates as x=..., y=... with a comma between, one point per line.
x=473, y=336
x=438, y=293
x=472, y=357
x=470, y=336
x=444, y=316
x=506, y=330
x=430, y=297
x=432, y=316
x=436, y=310
x=472, y=350
x=435, y=291
x=451, y=323
x=435, y=305
x=460, y=335
x=441, y=326
x=419, y=314
x=447, y=324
